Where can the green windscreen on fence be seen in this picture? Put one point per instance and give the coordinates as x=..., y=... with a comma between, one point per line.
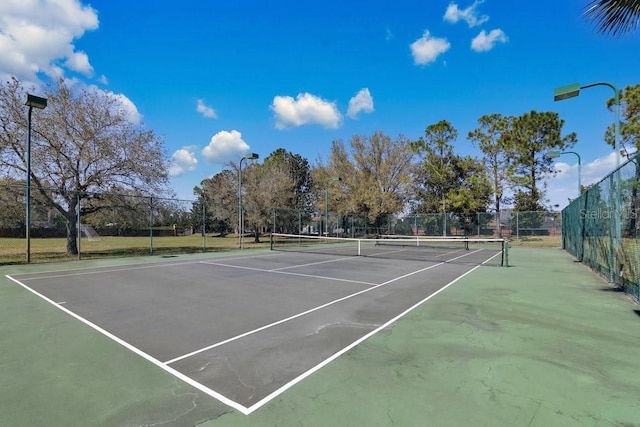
x=601, y=228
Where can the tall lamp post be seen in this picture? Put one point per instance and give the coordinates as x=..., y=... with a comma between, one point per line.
x=32, y=102
x=571, y=91
x=553, y=154
x=250, y=156
x=326, y=200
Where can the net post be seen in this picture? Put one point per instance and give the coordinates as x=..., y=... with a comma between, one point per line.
x=505, y=253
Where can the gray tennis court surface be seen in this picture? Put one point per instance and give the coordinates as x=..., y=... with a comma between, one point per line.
x=245, y=328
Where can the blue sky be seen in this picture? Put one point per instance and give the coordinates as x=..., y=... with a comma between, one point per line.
x=217, y=79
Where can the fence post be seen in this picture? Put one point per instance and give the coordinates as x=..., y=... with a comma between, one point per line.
x=273, y=229
x=612, y=231
x=203, y=225
x=150, y=225
x=444, y=223
x=78, y=223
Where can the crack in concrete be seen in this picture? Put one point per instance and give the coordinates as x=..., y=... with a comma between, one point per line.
x=339, y=324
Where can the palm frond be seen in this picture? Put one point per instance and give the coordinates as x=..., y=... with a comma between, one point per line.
x=614, y=16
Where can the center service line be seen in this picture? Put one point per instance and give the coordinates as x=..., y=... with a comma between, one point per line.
x=295, y=316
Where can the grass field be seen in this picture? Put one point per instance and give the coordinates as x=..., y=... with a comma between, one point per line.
x=536, y=241
x=13, y=250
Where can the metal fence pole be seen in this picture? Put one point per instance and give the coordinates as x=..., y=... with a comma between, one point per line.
x=78, y=223
x=150, y=225
x=203, y=225
x=273, y=229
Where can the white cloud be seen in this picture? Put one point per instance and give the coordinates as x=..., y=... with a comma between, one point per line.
x=305, y=109
x=37, y=35
x=225, y=146
x=79, y=61
x=205, y=110
x=427, y=49
x=361, y=102
x=123, y=103
x=183, y=160
x=470, y=15
x=129, y=108
x=484, y=42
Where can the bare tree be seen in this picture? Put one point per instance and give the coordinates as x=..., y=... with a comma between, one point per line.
x=375, y=175
x=220, y=195
x=266, y=186
x=82, y=145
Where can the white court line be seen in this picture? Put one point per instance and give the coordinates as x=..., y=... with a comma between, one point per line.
x=325, y=362
x=277, y=271
x=109, y=270
x=139, y=352
x=484, y=262
x=312, y=263
x=223, y=399
x=97, y=270
x=455, y=251
x=295, y=316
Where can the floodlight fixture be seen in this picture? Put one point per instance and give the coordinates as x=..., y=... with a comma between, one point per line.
x=552, y=154
x=35, y=101
x=566, y=92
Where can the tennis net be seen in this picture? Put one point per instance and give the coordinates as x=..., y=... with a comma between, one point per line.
x=489, y=251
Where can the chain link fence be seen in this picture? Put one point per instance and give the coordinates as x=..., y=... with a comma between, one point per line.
x=482, y=224
x=601, y=228
x=74, y=226
x=80, y=226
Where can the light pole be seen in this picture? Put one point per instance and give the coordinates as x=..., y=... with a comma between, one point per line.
x=571, y=91
x=250, y=156
x=326, y=200
x=31, y=101
x=554, y=153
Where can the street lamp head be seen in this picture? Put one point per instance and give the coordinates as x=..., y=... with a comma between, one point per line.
x=552, y=154
x=35, y=101
x=251, y=156
x=566, y=92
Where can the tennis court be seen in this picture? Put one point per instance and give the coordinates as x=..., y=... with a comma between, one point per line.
x=544, y=342
x=245, y=328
